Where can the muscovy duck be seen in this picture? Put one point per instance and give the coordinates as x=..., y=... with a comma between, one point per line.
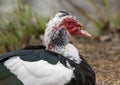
x=59, y=63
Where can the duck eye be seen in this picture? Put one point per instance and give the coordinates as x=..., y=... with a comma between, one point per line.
x=69, y=22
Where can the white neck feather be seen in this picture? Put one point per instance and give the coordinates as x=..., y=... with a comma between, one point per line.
x=69, y=51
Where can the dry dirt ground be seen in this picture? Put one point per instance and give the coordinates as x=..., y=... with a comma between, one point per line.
x=104, y=57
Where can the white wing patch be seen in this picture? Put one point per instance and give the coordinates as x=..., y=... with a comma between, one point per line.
x=40, y=72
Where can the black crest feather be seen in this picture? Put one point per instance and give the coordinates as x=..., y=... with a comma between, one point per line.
x=64, y=13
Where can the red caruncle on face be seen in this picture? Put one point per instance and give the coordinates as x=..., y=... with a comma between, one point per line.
x=72, y=25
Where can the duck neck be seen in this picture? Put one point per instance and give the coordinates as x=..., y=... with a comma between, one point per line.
x=68, y=51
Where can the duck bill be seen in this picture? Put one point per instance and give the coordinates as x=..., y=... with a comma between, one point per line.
x=83, y=33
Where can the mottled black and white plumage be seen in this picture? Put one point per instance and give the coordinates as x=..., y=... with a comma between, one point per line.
x=60, y=37
x=83, y=73
x=59, y=63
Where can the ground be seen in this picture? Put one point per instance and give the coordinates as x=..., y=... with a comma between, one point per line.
x=104, y=57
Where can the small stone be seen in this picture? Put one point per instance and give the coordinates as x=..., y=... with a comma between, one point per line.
x=105, y=38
